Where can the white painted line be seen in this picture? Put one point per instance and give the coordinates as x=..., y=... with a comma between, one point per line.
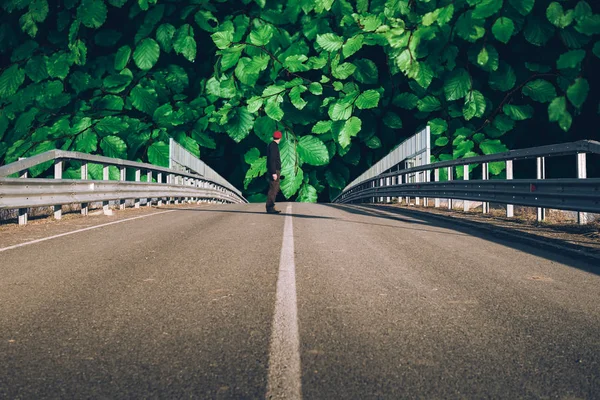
x=284, y=355
x=80, y=230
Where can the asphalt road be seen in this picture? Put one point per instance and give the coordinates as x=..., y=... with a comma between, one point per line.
x=182, y=305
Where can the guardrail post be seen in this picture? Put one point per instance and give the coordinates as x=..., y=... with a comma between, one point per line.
x=58, y=167
x=485, y=175
x=381, y=185
x=582, y=217
x=122, y=177
x=23, y=211
x=417, y=180
x=84, y=176
x=159, y=180
x=388, y=199
x=138, y=177
x=436, y=178
x=106, y=177
x=541, y=174
x=466, y=203
x=149, y=181
x=510, y=209
x=450, y=177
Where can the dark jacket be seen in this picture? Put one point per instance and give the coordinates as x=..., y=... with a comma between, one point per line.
x=273, y=159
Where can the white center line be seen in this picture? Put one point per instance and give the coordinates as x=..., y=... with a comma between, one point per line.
x=284, y=355
x=80, y=230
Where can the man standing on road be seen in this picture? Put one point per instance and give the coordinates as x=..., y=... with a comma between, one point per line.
x=273, y=172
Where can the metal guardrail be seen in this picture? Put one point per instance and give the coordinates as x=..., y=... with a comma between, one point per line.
x=579, y=194
x=170, y=186
x=180, y=158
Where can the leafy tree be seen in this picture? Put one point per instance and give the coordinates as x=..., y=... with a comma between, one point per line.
x=345, y=80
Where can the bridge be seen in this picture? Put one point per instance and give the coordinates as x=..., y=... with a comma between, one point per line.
x=177, y=287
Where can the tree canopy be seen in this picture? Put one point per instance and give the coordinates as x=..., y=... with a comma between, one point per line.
x=345, y=80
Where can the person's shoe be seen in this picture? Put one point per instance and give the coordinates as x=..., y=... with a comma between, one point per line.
x=272, y=211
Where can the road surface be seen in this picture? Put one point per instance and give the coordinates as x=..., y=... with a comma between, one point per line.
x=321, y=302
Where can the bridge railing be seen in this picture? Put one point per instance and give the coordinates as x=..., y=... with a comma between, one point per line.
x=575, y=194
x=161, y=184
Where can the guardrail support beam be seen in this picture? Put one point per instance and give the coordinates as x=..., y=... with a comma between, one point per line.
x=582, y=218
x=23, y=211
x=466, y=203
x=106, y=177
x=122, y=177
x=485, y=175
x=510, y=209
x=149, y=180
x=138, y=177
x=84, y=176
x=58, y=169
x=436, y=178
x=541, y=174
x=449, y=170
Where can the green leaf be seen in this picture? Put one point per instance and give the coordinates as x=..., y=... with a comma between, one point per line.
x=262, y=35
x=92, y=13
x=589, y=25
x=113, y=146
x=295, y=62
x=457, y=85
x=524, y=7
x=557, y=16
x=392, y=120
x=251, y=155
x=316, y=88
x=492, y=147
x=146, y=54
x=578, y=92
x=10, y=80
x=340, y=111
x=352, y=45
x=86, y=142
x=273, y=107
x=111, y=126
x=437, y=126
x=307, y=194
x=441, y=141
x=570, y=59
x=504, y=78
x=144, y=100
x=487, y=8
x=518, y=113
x=184, y=42
x=537, y=31
x=330, y=42
x=321, y=127
x=373, y=143
x=366, y=71
x=351, y=128
x=164, y=37
x=429, y=104
x=406, y=100
x=343, y=71
x=122, y=57
x=38, y=9
x=258, y=167
x=474, y=105
x=503, y=29
x=58, y=65
x=158, y=154
x=296, y=98
x=540, y=90
x=312, y=151
x=264, y=128
x=222, y=39
x=368, y=99
x=240, y=124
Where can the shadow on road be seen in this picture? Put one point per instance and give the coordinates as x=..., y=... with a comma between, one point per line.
x=382, y=211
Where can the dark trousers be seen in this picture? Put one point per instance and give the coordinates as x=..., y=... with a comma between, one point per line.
x=273, y=190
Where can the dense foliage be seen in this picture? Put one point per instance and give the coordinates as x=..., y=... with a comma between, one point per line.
x=345, y=80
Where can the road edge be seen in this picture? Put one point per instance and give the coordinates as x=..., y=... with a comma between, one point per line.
x=546, y=243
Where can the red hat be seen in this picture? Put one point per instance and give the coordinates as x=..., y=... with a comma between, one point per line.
x=277, y=135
